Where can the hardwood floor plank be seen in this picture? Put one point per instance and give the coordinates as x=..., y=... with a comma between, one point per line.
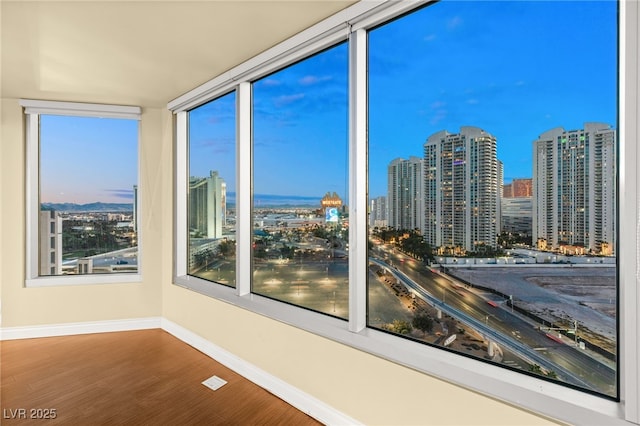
x=145, y=377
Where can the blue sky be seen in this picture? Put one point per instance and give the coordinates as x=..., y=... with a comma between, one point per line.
x=300, y=131
x=515, y=69
x=86, y=159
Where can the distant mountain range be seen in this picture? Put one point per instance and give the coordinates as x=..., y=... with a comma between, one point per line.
x=264, y=200
x=281, y=201
x=90, y=207
x=259, y=201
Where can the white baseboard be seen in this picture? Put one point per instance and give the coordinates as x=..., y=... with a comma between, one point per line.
x=67, y=329
x=300, y=400
x=293, y=396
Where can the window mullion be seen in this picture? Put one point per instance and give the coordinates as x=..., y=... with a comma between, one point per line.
x=33, y=195
x=182, y=177
x=243, y=190
x=358, y=263
x=629, y=296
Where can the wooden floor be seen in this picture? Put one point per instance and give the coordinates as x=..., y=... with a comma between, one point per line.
x=128, y=378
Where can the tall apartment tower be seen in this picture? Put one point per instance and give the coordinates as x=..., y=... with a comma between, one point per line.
x=405, y=193
x=378, y=212
x=574, y=188
x=50, y=243
x=207, y=204
x=519, y=187
x=461, y=190
x=499, y=197
x=516, y=206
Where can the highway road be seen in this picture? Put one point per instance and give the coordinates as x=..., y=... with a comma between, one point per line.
x=323, y=286
x=572, y=364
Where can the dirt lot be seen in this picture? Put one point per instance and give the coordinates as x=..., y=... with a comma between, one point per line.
x=559, y=295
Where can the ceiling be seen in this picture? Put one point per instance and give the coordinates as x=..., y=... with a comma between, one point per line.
x=142, y=53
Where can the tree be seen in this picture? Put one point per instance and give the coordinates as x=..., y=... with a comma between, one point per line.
x=423, y=323
x=287, y=252
x=227, y=248
x=400, y=327
x=535, y=368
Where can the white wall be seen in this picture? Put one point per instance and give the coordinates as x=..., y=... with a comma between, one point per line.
x=362, y=386
x=52, y=305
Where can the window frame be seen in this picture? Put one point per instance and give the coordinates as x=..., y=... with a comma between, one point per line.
x=185, y=122
x=33, y=109
x=319, y=49
x=544, y=397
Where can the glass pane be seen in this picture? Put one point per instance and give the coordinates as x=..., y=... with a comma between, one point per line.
x=300, y=243
x=88, y=195
x=212, y=177
x=492, y=183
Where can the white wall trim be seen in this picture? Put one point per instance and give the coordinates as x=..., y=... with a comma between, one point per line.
x=288, y=393
x=293, y=396
x=68, y=329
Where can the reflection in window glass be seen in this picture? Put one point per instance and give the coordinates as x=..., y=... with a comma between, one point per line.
x=88, y=189
x=212, y=175
x=300, y=241
x=492, y=184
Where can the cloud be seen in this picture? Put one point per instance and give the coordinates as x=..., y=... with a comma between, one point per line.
x=438, y=116
x=285, y=100
x=309, y=80
x=430, y=37
x=219, y=145
x=473, y=101
x=454, y=23
x=121, y=193
x=271, y=82
x=437, y=112
x=220, y=118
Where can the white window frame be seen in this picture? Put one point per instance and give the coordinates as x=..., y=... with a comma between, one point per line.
x=33, y=109
x=544, y=397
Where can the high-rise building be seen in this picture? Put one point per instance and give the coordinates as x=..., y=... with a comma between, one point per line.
x=378, y=212
x=516, y=215
x=499, y=197
x=461, y=190
x=574, y=188
x=50, y=243
x=405, y=193
x=516, y=206
x=207, y=205
x=521, y=187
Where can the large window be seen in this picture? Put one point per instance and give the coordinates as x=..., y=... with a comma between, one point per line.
x=82, y=191
x=300, y=219
x=212, y=174
x=493, y=183
x=444, y=191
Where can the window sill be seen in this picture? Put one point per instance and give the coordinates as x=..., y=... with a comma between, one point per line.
x=539, y=396
x=95, y=279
